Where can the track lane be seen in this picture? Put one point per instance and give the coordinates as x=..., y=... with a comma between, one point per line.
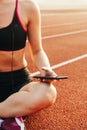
x=63, y=17
x=70, y=110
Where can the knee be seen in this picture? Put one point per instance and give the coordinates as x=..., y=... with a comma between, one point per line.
x=43, y=95
x=50, y=94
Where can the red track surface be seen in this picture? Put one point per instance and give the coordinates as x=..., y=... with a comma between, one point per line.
x=70, y=110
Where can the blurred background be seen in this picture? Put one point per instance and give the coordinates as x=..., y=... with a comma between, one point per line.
x=62, y=4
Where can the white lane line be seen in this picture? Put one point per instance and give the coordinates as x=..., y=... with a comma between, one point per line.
x=64, y=63
x=63, y=24
x=69, y=61
x=64, y=34
x=56, y=14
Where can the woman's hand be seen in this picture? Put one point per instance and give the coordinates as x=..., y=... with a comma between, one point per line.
x=48, y=72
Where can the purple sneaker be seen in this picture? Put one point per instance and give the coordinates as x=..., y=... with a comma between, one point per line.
x=12, y=124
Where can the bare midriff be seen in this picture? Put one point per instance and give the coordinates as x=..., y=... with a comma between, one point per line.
x=12, y=60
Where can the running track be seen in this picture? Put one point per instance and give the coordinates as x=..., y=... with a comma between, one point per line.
x=64, y=36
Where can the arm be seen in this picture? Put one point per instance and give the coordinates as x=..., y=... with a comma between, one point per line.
x=34, y=34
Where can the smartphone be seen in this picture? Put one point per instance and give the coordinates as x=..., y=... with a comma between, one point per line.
x=50, y=77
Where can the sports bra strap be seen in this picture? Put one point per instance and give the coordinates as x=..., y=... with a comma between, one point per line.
x=16, y=6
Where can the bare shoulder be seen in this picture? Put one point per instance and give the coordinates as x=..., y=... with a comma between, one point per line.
x=30, y=5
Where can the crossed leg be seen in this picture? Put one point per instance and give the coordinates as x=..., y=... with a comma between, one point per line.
x=30, y=99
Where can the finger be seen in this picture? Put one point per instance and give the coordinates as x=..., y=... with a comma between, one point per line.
x=46, y=69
